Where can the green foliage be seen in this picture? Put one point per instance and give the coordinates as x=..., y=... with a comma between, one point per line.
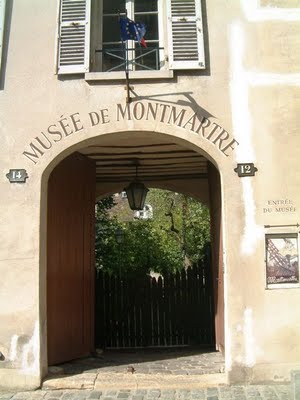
x=105, y=227
x=197, y=230
x=146, y=249
x=176, y=236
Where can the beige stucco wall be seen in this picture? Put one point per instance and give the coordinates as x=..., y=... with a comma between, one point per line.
x=251, y=89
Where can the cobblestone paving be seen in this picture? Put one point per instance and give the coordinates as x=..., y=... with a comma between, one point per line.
x=255, y=392
x=187, y=365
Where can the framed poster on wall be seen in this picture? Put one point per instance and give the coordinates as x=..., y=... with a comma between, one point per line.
x=282, y=259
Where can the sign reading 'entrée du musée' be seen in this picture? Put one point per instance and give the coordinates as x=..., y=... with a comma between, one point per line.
x=137, y=111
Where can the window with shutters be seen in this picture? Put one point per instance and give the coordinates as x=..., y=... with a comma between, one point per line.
x=90, y=40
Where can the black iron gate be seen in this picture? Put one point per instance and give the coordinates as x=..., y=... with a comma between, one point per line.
x=173, y=310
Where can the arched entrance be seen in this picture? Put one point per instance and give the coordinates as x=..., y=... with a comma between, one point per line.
x=105, y=167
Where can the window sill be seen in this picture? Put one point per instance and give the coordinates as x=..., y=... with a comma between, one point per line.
x=136, y=75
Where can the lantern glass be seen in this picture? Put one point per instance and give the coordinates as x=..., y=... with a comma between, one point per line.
x=136, y=195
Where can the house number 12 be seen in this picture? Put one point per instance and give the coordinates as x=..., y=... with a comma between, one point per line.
x=245, y=169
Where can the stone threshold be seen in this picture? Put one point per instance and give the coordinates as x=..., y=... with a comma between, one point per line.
x=132, y=381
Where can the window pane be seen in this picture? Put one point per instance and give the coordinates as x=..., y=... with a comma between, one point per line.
x=146, y=58
x=111, y=29
x=151, y=23
x=113, y=6
x=145, y=5
x=113, y=57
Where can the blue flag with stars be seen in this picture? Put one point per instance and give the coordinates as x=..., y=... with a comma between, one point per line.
x=132, y=31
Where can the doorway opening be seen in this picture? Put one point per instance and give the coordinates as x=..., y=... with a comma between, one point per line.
x=156, y=312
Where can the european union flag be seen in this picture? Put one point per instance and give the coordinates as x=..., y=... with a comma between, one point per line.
x=132, y=31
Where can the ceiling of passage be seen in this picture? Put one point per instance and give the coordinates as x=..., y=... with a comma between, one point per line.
x=116, y=160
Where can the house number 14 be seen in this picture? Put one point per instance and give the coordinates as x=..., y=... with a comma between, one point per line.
x=17, y=176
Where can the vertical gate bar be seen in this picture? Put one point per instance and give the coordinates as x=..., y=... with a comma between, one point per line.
x=167, y=309
x=194, y=307
x=161, y=312
x=178, y=309
x=119, y=302
x=114, y=313
x=205, y=303
x=171, y=308
x=200, y=302
x=99, y=311
x=132, y=294
x=198, y=299
x=185, y=309
x=126, y=302
x=146, y=315
x=138, y=313
x=155, y=327
x=117, y=311
x=111, y=311
x=190, y=311
x=108, y=338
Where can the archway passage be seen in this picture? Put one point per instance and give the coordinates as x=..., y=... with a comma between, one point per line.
x=70, y=266
x=71, y=199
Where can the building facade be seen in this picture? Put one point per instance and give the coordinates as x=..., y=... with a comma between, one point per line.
x=210, y=109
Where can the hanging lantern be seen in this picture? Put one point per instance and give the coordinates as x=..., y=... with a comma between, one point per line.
x=136, y=194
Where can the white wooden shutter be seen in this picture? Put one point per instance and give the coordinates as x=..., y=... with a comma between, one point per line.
x=186, y=45
x=74, y=36
x=2, y=16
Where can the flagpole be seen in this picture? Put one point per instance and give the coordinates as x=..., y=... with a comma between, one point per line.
x=128, y=98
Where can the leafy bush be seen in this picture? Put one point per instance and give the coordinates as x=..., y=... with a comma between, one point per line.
x=176, y=236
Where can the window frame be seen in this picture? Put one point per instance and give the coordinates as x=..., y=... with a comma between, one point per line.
x=96, y=45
